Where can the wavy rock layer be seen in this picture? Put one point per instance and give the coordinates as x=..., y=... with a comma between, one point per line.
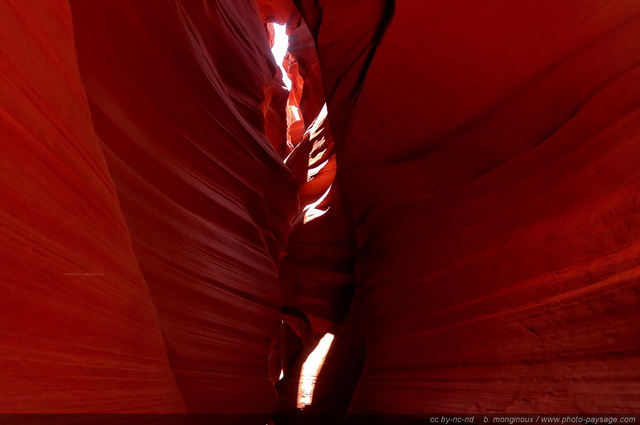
x=78, y=329
x=477, y=172
x=490, y=155
x=178, y=97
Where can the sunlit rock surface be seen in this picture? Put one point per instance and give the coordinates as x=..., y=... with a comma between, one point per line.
x=318, y=273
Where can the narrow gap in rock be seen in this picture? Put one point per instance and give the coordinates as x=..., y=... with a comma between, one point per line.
x=279, y=50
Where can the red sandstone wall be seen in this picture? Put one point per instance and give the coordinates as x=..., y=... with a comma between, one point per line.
x=78, y=329
x=143, y=253
x=490, y=154
x=487, y=157
x=178, y=97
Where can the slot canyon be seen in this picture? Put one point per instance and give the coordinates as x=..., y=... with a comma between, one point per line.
x=443, y=211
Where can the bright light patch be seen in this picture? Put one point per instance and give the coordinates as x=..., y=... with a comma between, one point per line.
x=311, y=211
x=295, y=112
x=311, y=369
x=279, y=49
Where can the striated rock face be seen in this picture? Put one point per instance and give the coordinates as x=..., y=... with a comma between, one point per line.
x=78, y=329
x=177, y=96
x=141, y=240
x=464, y=218
x=490, y=156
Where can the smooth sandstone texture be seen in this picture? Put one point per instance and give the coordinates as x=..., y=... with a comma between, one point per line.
x=78, y=329
x=178, y=97
x=489, y=151
x=468, y=221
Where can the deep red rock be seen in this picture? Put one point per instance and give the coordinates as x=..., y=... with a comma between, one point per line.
x=276, y=128
x=78, y=329
x=275, y=10
x=490, y=156
x=468, y=223
x=177, y=99
x=308, y=93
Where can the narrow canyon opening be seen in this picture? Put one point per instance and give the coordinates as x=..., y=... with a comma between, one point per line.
x=419, y=209
x=279, y=49
x=310, y=151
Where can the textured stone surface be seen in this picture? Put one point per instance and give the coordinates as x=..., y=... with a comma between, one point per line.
x=468, y=221
x=179, y=306
x=78, y=329
x=177, y=97
x=490, y=155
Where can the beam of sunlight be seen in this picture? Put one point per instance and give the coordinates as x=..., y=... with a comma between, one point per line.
x=311, y=211
x=279, y=49
x=310, y=370
x=294, y=110
x=316, y=125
